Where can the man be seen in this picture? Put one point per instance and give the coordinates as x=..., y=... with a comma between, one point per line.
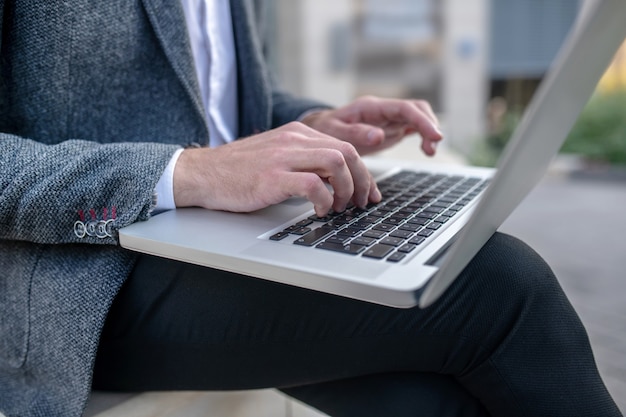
x=97, y=102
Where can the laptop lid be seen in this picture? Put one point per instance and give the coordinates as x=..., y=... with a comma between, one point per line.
x=567, y=87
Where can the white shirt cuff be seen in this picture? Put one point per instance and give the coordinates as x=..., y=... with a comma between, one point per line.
x=164, y=190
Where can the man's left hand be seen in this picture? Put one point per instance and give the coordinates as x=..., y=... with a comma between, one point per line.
x=372, y=124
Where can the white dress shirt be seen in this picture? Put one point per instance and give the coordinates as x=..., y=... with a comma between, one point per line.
x=210, y=29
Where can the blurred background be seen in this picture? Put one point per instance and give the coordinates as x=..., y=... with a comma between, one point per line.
x=478, y=62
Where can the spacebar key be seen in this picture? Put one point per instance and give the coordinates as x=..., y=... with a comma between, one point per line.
x=314, y=236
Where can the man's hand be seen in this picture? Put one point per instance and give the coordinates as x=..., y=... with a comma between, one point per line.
x=372, y=124
x=291, y=161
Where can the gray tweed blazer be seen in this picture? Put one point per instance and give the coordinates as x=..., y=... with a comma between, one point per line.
x=95, y=96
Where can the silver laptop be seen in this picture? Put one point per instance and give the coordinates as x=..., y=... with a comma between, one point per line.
x=409, y=249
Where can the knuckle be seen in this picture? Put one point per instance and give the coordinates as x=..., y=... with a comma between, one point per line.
x=297, y=127
x=286, y=136
x=335, y=159
x=348, y=151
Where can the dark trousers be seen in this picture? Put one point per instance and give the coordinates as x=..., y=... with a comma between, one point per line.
x=502, y=341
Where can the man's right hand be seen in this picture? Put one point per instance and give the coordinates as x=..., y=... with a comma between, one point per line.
x=291, y=161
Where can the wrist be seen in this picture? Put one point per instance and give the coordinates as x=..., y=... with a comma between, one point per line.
x=188, y=181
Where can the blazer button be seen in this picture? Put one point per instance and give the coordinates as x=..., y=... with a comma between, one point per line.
x=101, y=230
x=79, y=229
x=91, y=228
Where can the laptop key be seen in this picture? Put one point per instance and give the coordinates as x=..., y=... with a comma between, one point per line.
x=417, y=240
x=402, y=234
x=304, y=223
x=442, y=219
x=279, y=236
x=322, y=219
x=376, y=234
x=338, y=239
x=407, y=247
x=378, y=251
x=314, y=236
x=384, y=227
x=411, y=228
x=396, y=257
x=393, y=220
x=349, y=249
x=363, y=240
x=379, y=213
x=392, y=241
x=350, y=231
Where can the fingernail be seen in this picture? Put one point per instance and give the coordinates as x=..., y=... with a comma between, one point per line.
x=340, y=209
x=371, y=136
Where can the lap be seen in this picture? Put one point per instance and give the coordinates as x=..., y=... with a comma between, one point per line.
x=181, y=326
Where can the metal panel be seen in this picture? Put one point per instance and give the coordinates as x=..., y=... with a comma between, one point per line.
x=526, y=35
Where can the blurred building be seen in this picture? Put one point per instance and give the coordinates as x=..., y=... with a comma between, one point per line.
x=313, y=48
x=457, y=54
x=397, y=48
x=525, y=37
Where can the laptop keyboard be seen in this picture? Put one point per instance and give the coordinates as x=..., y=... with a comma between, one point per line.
x=414, y=206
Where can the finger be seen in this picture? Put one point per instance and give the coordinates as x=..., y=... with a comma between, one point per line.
x=375, y=194
x=310, y=186
x=359, y=175
x=413, y=114
x=429, y=143
x=330, y=165
x=358, y=134
x=407, y=112
x=425, y=106
x=421, y=121
x=394, y=132
x=429, y=146
x=303, y=131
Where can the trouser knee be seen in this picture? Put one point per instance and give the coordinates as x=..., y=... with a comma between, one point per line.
x=507, y=272
x=507, y=286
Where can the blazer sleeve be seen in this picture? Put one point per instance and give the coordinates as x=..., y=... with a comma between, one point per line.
x=77, y=190
x=1, y=20
x=286, y=107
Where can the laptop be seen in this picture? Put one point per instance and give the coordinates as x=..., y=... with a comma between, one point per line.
x=410, y=248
